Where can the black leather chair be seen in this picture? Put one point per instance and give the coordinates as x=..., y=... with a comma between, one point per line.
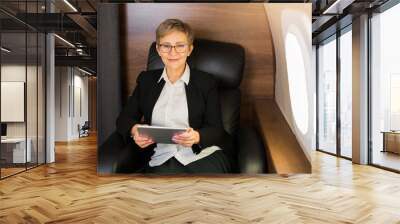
x=226, y=62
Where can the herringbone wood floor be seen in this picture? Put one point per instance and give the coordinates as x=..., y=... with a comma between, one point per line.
x=69, y=191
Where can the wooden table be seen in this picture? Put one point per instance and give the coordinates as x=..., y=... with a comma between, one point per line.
x=391, y=141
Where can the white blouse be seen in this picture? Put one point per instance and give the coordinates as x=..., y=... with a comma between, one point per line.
x=171, y=110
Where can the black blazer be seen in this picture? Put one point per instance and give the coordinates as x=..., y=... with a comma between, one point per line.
x=204, y=109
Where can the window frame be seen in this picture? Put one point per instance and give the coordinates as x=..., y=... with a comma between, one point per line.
x=334, y=37
x=381, y=9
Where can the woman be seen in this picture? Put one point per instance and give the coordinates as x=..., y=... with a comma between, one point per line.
x=177, y=96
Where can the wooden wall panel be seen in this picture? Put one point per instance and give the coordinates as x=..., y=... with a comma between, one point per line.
x=242, y=23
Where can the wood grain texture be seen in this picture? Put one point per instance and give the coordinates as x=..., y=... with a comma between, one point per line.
x=69, y=191
x=386, y=159
x=391, y=142
x=285, y=155
x=244, y=24
x=11, y=170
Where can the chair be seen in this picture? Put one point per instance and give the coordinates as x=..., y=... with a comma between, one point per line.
x=84, y=130
x=226, y=62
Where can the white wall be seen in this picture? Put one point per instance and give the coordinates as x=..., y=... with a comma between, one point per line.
x=12, y=73
x=33, y=127
x=295, y=79
x=79, y=117
x=62, y=81
x=12, y=101
x=71, y=93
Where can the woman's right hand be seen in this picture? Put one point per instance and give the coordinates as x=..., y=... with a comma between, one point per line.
x=141, y=141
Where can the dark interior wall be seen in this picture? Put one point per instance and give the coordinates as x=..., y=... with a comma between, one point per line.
x=92, y=88
x=109, y=70
x=245, y=24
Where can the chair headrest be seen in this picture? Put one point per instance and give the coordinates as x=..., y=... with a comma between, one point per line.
x=223, y=60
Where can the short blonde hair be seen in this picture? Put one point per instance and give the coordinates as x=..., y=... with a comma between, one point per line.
x=170, y=25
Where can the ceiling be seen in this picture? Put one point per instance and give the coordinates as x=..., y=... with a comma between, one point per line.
x=76, y=22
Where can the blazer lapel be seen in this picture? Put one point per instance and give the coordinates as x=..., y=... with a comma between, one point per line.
x=191, y=99
x=155, y=94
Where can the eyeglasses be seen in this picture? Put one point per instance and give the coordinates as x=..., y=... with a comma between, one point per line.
x=166, y=48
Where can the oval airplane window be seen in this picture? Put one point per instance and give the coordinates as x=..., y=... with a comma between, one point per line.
x=297, y=82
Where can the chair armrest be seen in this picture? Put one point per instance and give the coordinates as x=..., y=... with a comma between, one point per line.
x=108, y=154
x=251, y=152
x=285, y=154
x=115, y=156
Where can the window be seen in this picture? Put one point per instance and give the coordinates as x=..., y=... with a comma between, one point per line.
x=297, y=82
x=346, y=93
x=22, y=65
x=327, y=96
x=385, y=89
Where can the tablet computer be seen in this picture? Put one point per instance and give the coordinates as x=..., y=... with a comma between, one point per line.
x=160, y=134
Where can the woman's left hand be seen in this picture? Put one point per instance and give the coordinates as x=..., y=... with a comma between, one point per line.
x=187, y=138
